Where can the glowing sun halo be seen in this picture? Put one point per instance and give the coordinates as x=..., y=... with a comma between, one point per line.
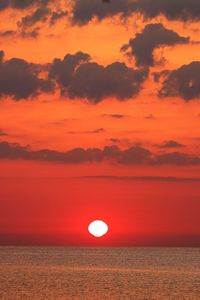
x=98, y=228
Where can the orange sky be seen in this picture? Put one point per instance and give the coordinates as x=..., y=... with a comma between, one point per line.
x=45, y=122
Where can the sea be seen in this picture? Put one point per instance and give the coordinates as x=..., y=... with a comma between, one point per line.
x=64, y=273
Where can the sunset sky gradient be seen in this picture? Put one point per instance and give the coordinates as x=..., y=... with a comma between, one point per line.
x=100, y=119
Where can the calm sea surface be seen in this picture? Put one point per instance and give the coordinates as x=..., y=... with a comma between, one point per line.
x=99, y=273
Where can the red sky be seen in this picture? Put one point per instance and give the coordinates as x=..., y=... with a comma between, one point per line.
x=138, y=212
x=121, y=80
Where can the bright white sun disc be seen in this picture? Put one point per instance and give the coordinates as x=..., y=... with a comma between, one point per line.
x=98, y=228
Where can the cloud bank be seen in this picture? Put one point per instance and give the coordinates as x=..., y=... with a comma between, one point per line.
x=135, y=155
x=184, y=10
x=76, y=76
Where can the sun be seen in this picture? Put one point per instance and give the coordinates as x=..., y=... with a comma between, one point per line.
x=98, y=228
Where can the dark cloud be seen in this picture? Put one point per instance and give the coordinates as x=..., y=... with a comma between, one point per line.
x=63, y=70
x=153, y=36
x=84, y=11
x=114, y=140
x=98, y=130
x=177, y=158
x=22, y=4
x=36, y=11
x=1, y=56
x=39, y=15
x=183, y=82
x=115, y=116
x=184, y=10
x=135, y=155
x=33, y=34
x=7, y=33
x=13, y=151
x=150, y=117
x=149, y=178
x=19, y=79
x=80, y=78
x=171, y=144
